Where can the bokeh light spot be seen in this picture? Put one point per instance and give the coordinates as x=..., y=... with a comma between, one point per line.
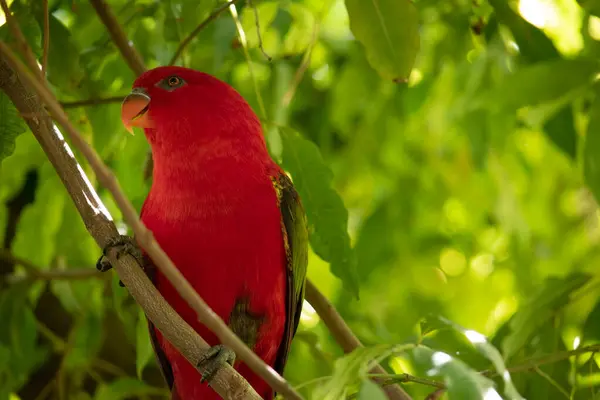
x=483, y=264
x=452, y=262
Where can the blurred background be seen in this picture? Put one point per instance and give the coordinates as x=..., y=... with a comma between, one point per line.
x=470, y=189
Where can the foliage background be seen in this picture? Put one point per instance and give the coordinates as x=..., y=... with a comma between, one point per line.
x=470, y=190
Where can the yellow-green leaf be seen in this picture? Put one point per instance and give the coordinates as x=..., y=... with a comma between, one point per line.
x=389, y=31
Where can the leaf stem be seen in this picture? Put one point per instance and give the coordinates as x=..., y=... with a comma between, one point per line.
x=108, y=18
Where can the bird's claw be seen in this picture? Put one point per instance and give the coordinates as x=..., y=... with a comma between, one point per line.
x=124, y=245
x=214, y=359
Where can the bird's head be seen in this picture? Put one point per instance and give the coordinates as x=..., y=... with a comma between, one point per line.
x=184, y=106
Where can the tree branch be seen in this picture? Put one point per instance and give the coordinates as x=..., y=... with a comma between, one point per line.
x=146, y=239
x=198, y=29
x=132, y=57
x=227, y=382
x=345, y=337
x=327, y=312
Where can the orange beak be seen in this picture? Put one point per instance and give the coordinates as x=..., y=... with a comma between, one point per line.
x=134, y=110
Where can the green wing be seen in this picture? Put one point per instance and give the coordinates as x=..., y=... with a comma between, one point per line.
x=295, y=236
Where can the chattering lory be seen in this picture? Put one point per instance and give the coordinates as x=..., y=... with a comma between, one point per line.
x=228, y=217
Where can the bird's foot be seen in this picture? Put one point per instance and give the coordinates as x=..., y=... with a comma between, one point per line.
x=124, y=245
x=214, y=359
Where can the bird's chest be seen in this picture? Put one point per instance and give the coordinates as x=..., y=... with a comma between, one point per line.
x=227, y=241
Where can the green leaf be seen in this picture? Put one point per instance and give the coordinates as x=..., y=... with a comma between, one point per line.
x=107, y=128
x=300, y=34
x=36, y=241
x=353, y=93
x=533, y=44
x=556, y=376
x=143, y=347
x=11, y=126
x=462, y=382
x=591, y=150
x=267, y=11
x=488, y=350
x=325, y=210
x=389, y=31
x=591, y=6
x=126, y=388
x=541, y=83
x=372, y=250
x=85, y=342
x=348, y=370
x=29, y=26
x=129, y=169
x=371, y=391
x=591, y=327
x=64, y=68
x=20, y=352
x=539, y=309
x=560, y=129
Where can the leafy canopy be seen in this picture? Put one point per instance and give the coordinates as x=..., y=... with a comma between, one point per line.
x=447, y=156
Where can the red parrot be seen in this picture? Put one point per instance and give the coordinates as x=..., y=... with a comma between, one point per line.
x=228, y=217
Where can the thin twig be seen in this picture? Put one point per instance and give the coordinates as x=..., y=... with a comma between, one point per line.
x=47, y=389
x=388, y=379
x=532, y=363
x=198, y=29
x=7, y=256
x=92, y=102
x=132, y=57
x=36, y=273
x=58, y=344
x=258, y=34
x=57, y=275
x=244, y=42
x=385, y=379
x=401, y=378
x=435, y=395
x=551, y=381
x=146, y=240
x=289, y=94
x=46, y=16
x=227, y=382
x=344, y=336
x=22, y=44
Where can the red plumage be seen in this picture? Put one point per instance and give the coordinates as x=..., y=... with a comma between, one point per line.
x=214, y=210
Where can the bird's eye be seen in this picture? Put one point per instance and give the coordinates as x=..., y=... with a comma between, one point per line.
x=170, y=83
x=174, y=81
